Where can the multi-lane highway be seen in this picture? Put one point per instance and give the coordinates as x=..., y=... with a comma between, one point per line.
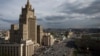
x=60, y=49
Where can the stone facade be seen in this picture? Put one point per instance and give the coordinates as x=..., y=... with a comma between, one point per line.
x=27, y=24
x=11, y=49
x=23, y=49
x=27, y=28
x=39, y=34
x=48, y=39
x=14, y=34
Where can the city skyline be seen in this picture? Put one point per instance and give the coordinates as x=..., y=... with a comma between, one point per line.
x=49, y=28
x=54, y=13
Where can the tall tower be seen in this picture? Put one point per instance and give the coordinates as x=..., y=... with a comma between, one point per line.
x=27, y=23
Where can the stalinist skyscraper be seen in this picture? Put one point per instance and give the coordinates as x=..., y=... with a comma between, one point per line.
x=27, y=29
x=23, y=37
x=27, y=23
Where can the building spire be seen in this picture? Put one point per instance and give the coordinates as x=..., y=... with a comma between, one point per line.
x=28, y=2
x=28, y=5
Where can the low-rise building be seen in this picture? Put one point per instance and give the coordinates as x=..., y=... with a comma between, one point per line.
x=48, y=39
x=26, y=48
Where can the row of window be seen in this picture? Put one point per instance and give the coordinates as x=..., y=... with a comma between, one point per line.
x=9, y=51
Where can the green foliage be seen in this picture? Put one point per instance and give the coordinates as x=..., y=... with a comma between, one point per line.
x=87, y=41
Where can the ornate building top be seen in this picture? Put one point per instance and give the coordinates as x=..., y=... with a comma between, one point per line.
x=28, y=5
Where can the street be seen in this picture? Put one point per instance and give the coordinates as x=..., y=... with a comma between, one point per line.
x=60, y=49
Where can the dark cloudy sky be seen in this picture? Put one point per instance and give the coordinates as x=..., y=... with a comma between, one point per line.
x=54, y=13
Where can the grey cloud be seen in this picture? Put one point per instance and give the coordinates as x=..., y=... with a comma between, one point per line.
x=9, y=21
x=91, y=9
x=4, y=25
x=39, y=19
x=75, y=24
x=55, y=18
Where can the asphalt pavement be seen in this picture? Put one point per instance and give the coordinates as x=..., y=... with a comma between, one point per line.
x=60, y=49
